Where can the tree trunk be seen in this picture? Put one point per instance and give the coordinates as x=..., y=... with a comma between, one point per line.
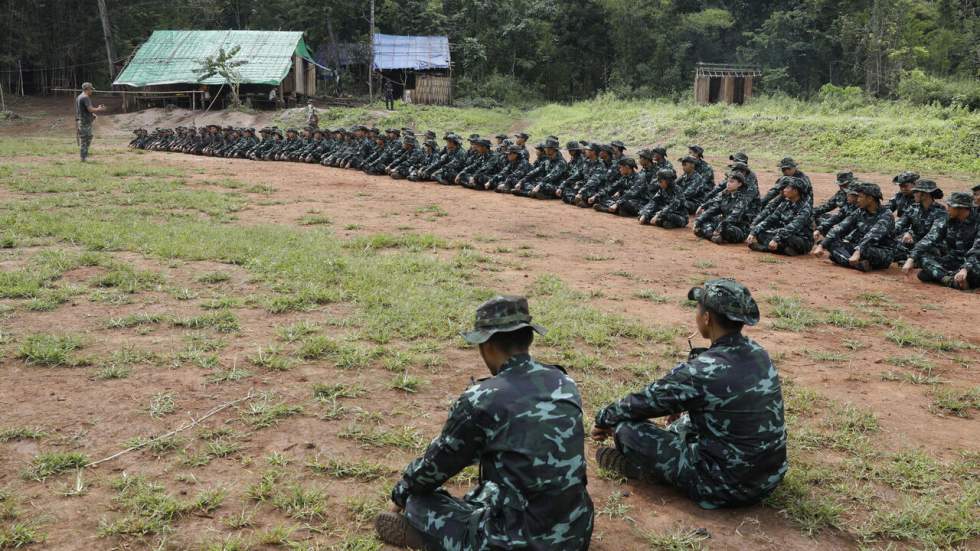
x=107, y=34
x=371, y=56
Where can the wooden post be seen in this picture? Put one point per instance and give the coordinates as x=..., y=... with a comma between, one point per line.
x=107, y=34
x=300, y=74
x=3, y=103
x=702, y=90
x=371, y=56
x=748, y=90
x=728, y=89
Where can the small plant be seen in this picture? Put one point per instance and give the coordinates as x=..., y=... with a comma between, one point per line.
x=49, y=350
x=21, y=433
x=271, y=358
x=223, y=321
x=955, y=402
x=212, y=278
x=265, y=487
x=363, y=471
x=54, y=463
x=790, y=314
x=264, y=413
x=327, y=392
x=315, y=220
x=652, y=296
x=615, y=506
x=911, y=337
x=162, y=403
x=406, y=383
x=302, y=503
x=19, y=535
x=296, y=331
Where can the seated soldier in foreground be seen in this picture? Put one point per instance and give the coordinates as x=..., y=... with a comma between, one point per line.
x=666, y=207
x=726, y=218
x=725, y=439
x=828, y=221
x=823, y=211
x=918, y=219
x=863, y=240
x=976, y=195
x=523, y=426
x=787, y=228
x=905, y=198
x=944, y=254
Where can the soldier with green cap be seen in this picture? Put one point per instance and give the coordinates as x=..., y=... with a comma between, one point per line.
x=905, y=198
x=919, y=219
x=789, y=169
x=724, y=443
x=604, y=172
x=862, y=240
x=703, y=168
x=523, y=426
x=445, y=169
x=944, y=254
x=976, y=195
x=85, y=115
x=837, y=200
x=513, y=169
x=787, y=228
x=727, y=218
x=581, y=169
x=667, y=208
x=607, y=200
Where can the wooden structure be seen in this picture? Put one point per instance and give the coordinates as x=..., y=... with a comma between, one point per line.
x=719, y=82
x=432, y=90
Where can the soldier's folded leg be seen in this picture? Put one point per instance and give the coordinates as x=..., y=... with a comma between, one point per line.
x=879, y=257
x=545, y=191
x=704, y=231
x=658, y=454
x=446, y=522
x=839, y=252
x=795, y=245
x=901, y=252
x=734, y=234
x=936, y=268
x=671, y=221
x=629, y=208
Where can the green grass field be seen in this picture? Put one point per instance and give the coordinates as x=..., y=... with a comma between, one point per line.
x=185, y=272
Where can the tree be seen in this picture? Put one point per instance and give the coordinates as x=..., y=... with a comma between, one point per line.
x=224, y=64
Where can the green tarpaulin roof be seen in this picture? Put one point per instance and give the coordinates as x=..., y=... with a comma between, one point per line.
x=172, y=57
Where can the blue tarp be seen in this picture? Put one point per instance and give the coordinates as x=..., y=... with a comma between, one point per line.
x=410, y=52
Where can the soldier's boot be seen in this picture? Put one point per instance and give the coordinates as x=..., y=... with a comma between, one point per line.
x=613, y=460
x=394, y=529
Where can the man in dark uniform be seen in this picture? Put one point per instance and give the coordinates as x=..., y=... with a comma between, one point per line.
x=523, y=426
x=389, y=96
x=862, y=240
x=944, y=254
x=85, y=115
x=725, y=441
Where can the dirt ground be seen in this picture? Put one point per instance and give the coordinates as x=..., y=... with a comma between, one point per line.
x=609, y=258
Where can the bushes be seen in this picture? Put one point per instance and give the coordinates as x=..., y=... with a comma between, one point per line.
x=918, y=87
x=841, y=98
x=495, y=90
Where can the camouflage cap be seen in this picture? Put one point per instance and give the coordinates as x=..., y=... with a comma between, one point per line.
x=501, y=314
x=688, y=159
x=852, y=189
x=727, y=297
x=907, y=177
x=869, y=189
x=799, y=183
x=410, y=141
x=844, y=178
x=573, y=146
x=484, y=142
x=432, y=144
x=787, y=162
x=597, y=147
x=515, y=149
x=738, y=165
x=429, y=134
x=627, y=161
x=960, y=199
x=618, y=145
x=739, y=158
x=666, y=174
x=522, y=135
x=696, y=148
x=552, y=143
x=928, y=186
x=474, y=137
x=501, y=137
x=975, y=188
x=659, y=150
x=645, y=154
x=737, y=176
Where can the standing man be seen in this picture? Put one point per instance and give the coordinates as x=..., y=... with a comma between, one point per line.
x=523, y=426
x=85, y=115
x=725, y=441
x=389, y=96
x=312, y=117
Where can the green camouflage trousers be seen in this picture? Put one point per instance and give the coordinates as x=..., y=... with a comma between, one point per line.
x=84, y=139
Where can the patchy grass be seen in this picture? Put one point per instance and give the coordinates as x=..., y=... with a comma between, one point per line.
x=162, y=403
x=266, y=411
x=956, y=402
x=790, y=314
x=223, y=321
x=404, y=437
x=50, y=464
x=911, y=337
x=22, y=433
x=49, y=350
x=361, y=470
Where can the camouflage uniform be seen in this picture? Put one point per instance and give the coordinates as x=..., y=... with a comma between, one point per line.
x=703, y=168
x=524, y=428
x=901, y=201
x=730, y=447
x=870, y=232
x=510, y=172
x=789, y=224
x=667, y=207
x=917, y=220
x=84, y=120
x=576, y=170
x=607, y=200
x=946, y=249
x=729, y=215
x=822, y=211
x=694, y=186
x=448, y=165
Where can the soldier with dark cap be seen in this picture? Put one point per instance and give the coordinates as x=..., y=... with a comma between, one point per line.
x=523, y=427
x=739, y=163
x=692, y=184
x=837, y=200
x=520, y=139
x=605, y=172
x=575, y=169
x=904, y=199
x=724, y=443
x=481, y=168
x=943, y=254
x=545, y=174
x=607, y=200
x=635, y=195
x=703, y=168
x=450, y=163
x=830, y=220
x=919, y=219
x=411, y=157
x=726, y=218
x=976, y=195
x=85, y=115
x=580, y=170
x=863, y=240
x=511, y=172
x=659, y=158
x=787, y=228
x=430, y=155
x=667, y=208
x=789, y=169
x=618, y=149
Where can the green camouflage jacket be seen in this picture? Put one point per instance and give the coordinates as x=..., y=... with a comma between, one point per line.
x=861, y=228
x=949, y=238
x=787, y=219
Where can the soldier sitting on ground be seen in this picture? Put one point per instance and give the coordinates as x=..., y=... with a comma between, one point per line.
x=918, y=219
x=726, y=218
x=943, y=254
x=603, y=172
x=789, y=169
x=523, y=427
x=450, y=163
x=904, y=199
x=862, y=240
x=976, y=195
x=667, y=207
x=484, y=166
x=823, y=211
x=787, y=228
x=411, y=158
x=724, y=443
x=513, y=169
x=692, y=184
x=635, y=195
x=830, y=220
x=608, y=199
x=581, y=167
x=703, y=168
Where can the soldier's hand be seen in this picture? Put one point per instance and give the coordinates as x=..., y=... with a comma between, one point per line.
x=751, y=240
x=856, y=257
x=394, y=508
x=817, y=251
x=699, y=211
x=907, y=239
x=600, y=434
x=960, y=279
x=907, y=267
x=773, y=245
x=817, y=236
